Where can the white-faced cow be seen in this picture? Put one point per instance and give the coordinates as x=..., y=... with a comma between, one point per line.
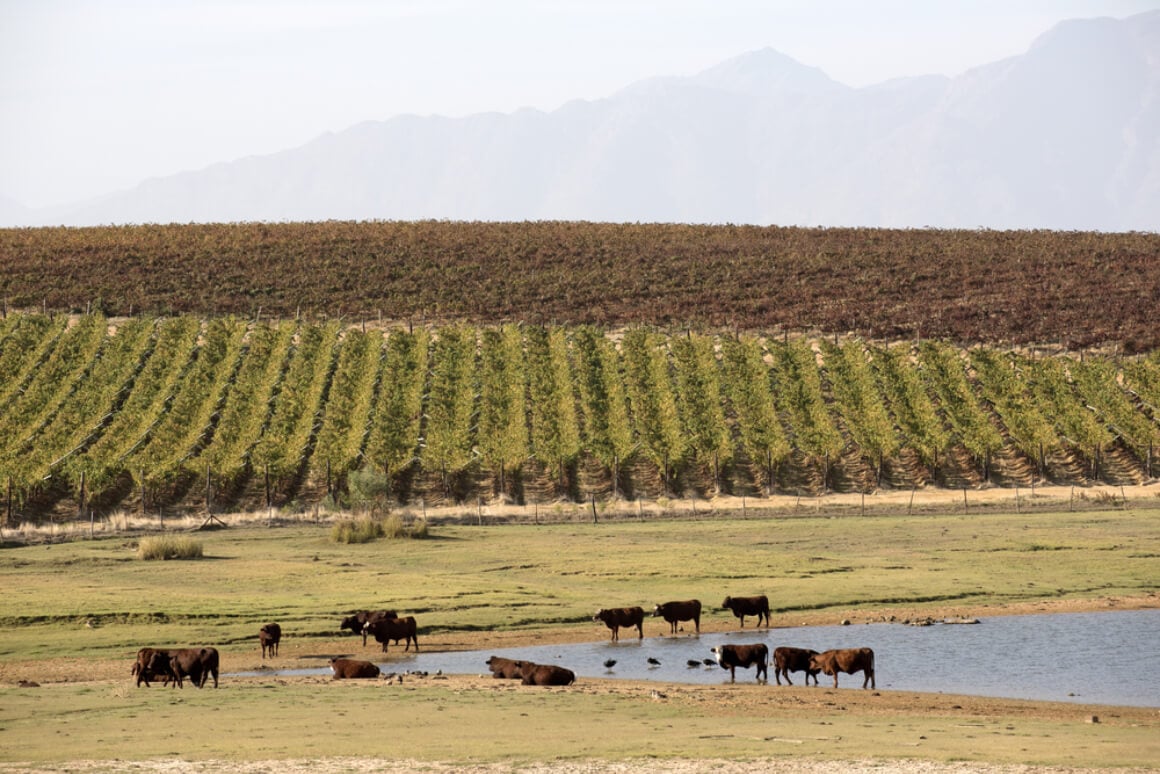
x=848, y=660
x=616, y=617
x=673, y=612
x=743, y=606
x=350, y=669
x=732, y=656
x=268, y=637
x=786, y=660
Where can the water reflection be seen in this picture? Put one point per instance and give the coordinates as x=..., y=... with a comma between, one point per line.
x=1097, y=658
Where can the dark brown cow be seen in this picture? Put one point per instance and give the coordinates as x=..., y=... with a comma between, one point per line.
x=357, y=622
x=141, y=666
x=743, y=606
x=786, y=660
x=349, y=669
x=546, y=674
x=268, y=637
x=167, y=667
x=198, y=664
x=505, y=668
x=616, y=617
x=386, y=629
x=848, y=660
x=732, y=656
x=680, y=611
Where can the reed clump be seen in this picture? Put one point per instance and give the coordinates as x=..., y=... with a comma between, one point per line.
x=170, y=547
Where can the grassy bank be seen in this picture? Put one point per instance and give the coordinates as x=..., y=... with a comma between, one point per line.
x=73, y=614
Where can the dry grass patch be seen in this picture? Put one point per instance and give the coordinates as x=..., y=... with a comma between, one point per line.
x=170, y=547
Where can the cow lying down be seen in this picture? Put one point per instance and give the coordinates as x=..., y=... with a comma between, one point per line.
x=529, y=673
x=350, y=669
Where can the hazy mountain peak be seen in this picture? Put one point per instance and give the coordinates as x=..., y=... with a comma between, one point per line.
x=767, y=72
x=1066, y=136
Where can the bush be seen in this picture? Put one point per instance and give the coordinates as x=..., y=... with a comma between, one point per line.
x=361, y=530
x=169, y=547
x=370, y=486
x=365, y=529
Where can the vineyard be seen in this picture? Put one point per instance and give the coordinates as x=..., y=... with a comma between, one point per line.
x=1073, y=289
x=183, y=412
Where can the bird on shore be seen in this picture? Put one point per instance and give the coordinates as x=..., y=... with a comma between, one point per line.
x=709, y=661
x=610, y=663
x=693, y=663
x=652, y=662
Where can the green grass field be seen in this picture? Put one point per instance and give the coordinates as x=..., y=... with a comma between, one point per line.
x=84, y=607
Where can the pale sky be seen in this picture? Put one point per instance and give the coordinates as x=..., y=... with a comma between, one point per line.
x=96, y=96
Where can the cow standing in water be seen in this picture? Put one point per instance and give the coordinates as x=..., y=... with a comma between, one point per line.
x=848, y=660
x=673, y=612
x=786, y=660
x=732, y=656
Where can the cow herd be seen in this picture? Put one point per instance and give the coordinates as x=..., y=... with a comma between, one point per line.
x=173, y=666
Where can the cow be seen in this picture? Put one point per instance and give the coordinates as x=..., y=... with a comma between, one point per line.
x=505, y=668
x=141, y=667
x=386, y=629
x=680, y=611
x=195, y=663
x=732, y=656
x=169, y=666
x=268, y=637
x=546, y=674
x=848, y=660
x=357, y=622
x=743, y=606
x=349, y=668
x=786, y=660
x=616, y=617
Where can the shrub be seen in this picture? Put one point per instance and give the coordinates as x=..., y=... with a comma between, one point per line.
x=361, y=530
x=369, y=486
x=169, y=547
x=365, y=529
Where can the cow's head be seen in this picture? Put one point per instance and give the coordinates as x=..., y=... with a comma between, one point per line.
x=350, y=622
x=717, y=651
x=728, y=603
x=599, y=615
x=658, y=611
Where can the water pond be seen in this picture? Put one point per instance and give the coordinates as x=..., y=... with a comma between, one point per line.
x=1096, y=658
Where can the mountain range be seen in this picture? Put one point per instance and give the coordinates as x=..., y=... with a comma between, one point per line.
x=1065, y=136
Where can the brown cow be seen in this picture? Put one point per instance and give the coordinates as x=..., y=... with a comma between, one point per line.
x=349, y=668
x=786, y=660
x=387, y=629
x=743, y=606
x=680, y=611
x=546, y=674
x=357, y=622
x=268, y=637
x=616, y=617
x=732, y=656
x=848, y=660
x=505, y=668
x=176, y=664
x=141, y=666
